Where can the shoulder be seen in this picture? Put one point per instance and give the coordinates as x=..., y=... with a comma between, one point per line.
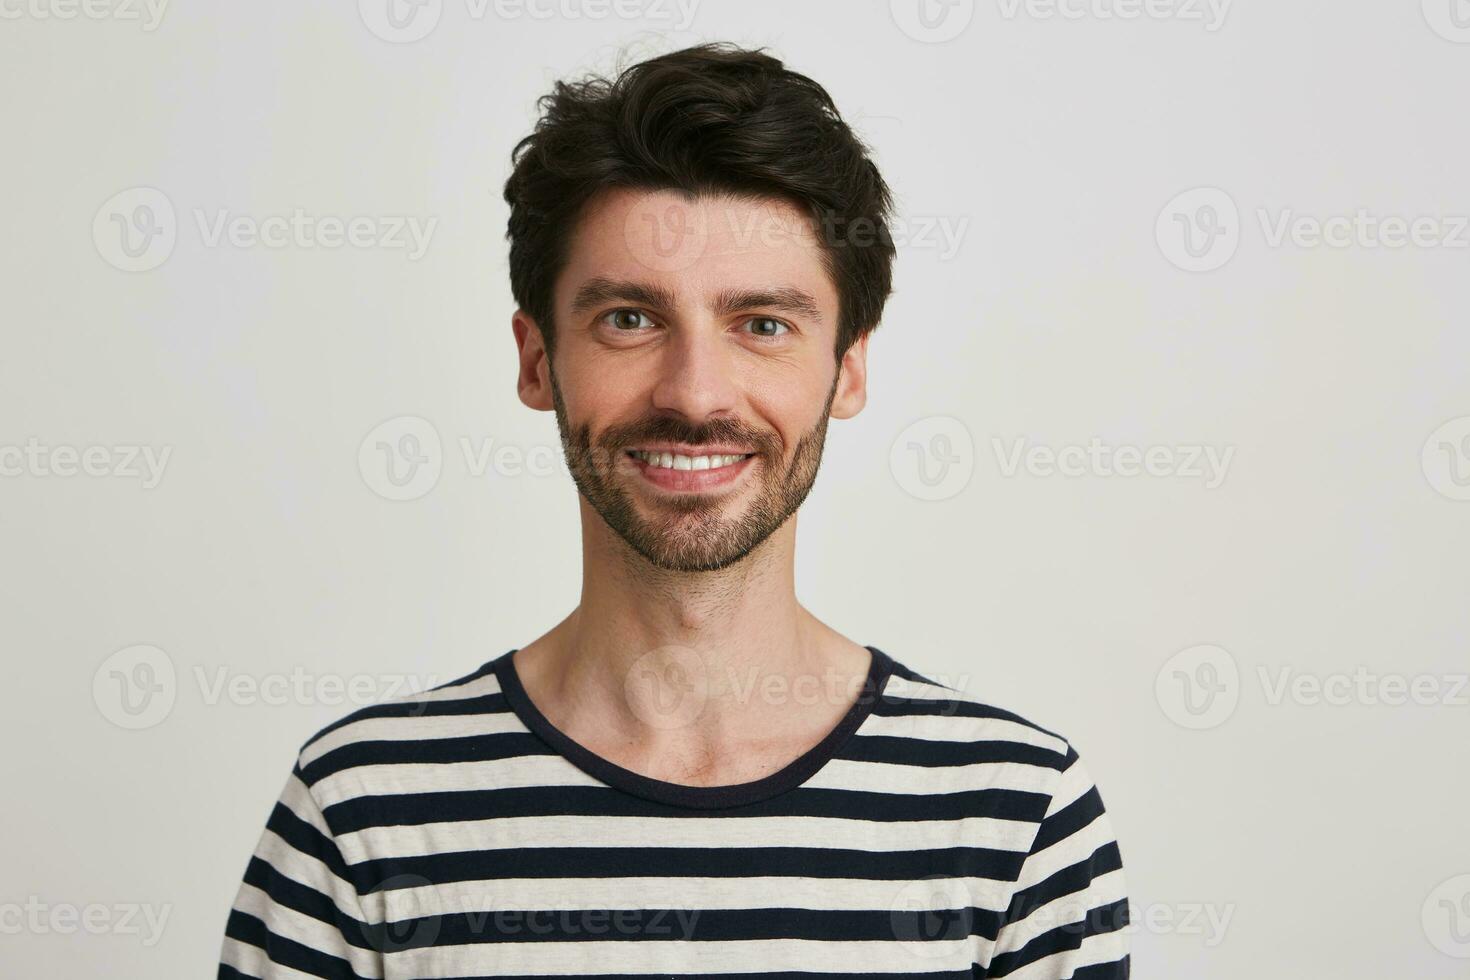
x=943, y=722
x=418, y=726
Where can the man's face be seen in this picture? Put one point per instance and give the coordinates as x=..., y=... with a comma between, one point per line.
x=695, y=370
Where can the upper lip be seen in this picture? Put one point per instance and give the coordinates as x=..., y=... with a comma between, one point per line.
x=685, y=450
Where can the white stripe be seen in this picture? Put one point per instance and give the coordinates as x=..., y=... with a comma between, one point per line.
x=895, y=779
x=960, y=728
x=1073, y=783
x=1107, y=948
x=407, y=778
x=831, y=894
x=1078, y=846
x=252, y=961
x=677, y=957
x=556, y=830
x=296, y=796
x=1063, y=910
x=903, y=687
x=412, y=729
x=475, y=687
x=311, y=933
x=309, y=871
x=553, y=770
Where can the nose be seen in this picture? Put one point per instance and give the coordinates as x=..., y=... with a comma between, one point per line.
x=696, y=374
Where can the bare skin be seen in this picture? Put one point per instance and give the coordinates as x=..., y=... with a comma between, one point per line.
x=688, y=658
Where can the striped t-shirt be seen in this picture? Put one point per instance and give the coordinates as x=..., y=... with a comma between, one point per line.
x=456, y=833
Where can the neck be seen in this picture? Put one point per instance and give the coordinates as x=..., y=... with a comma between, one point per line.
x=762, y=668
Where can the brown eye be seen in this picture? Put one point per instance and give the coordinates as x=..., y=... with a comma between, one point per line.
x=626, y=319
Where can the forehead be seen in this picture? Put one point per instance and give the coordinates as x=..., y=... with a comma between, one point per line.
x=695, y=248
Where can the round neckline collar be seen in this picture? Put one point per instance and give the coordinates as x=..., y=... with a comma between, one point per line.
x=793, y=774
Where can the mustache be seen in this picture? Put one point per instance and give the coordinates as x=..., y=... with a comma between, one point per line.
x=669, y=429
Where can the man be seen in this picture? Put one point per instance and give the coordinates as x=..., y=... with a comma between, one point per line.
x=690, y=774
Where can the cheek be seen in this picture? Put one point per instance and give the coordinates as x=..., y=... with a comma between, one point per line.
x=789, y=413
x=792, y=401
x=593, y=393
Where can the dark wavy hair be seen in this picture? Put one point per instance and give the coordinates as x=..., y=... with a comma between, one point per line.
x=710, y=119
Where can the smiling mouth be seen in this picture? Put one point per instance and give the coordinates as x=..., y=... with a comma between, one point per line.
x=681, y=461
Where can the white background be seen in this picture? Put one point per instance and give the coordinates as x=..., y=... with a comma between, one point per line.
x=1326, y=832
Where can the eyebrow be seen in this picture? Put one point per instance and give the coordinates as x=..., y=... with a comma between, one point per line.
x=788, y=299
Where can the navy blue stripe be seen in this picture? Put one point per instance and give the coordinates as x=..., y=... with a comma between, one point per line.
x=695, y=925
x=414, y=809
x=495, y=746
x=412, y=707
x=1070, y=880
x=1070, y=936
x=696, y=862
x=246, y=928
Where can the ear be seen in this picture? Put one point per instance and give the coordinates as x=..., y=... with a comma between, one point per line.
x=852, y=381
x=533, y=383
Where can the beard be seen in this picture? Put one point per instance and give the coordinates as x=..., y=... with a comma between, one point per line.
x=691, y=532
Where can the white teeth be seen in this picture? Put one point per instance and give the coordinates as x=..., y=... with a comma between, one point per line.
x=674, y=461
